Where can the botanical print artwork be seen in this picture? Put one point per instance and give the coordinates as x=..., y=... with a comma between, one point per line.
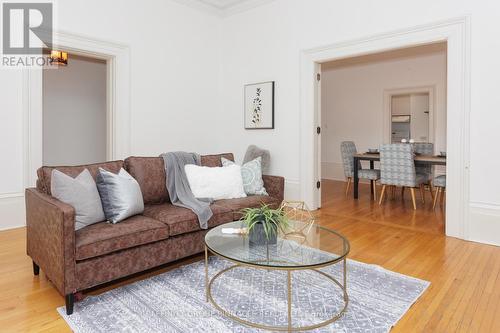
x=259, y=105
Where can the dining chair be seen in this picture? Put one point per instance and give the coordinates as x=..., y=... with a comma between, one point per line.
x=439, y=183
x=348, y=149
x=425, y=148
x=397, y=168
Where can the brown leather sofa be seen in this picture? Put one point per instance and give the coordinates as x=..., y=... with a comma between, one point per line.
x=102, y=252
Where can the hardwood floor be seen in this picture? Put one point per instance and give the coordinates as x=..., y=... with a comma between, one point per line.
x=396, y=210
x=464, y=295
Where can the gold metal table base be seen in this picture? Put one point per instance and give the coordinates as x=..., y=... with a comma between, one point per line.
x=289, y=327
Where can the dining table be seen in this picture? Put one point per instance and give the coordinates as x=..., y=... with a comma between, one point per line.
x=373, y=157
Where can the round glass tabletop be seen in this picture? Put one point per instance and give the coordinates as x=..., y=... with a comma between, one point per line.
x=301, y=246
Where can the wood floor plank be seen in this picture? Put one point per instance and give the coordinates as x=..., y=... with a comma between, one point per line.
x=492, y=299
x=471, y=293
x=427, y=306
x=456, y=298
x=483, y=300
x=464, y=294
x=478, y=295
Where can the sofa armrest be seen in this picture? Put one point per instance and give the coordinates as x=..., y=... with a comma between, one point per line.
x=275, y=186
x=50, y=231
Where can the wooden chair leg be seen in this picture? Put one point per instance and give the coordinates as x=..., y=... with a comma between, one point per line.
x=382, y=193
x=374, y=184
x=402, y=192
x=422, y=193
x=436, y=196
x=349, y=179
x=412, y=191
x=431, y=189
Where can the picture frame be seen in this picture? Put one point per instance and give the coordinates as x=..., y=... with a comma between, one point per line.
x=259, y=105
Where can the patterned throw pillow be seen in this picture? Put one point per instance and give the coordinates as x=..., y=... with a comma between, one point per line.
x=251, y=173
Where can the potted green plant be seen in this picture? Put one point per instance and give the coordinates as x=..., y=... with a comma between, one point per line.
x=262, y=224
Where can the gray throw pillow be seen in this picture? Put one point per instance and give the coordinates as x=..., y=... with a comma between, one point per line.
x=253, y=152
x=251, y=173
x=81, y=193
x=121, y=195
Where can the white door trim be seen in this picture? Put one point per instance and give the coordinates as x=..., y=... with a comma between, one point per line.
x=388, y=93
x=456, y=32
x=117, y=57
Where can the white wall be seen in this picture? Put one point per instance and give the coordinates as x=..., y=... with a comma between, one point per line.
x=74, y=112
x=265, y=44
x=174, y=88
x=353, y=102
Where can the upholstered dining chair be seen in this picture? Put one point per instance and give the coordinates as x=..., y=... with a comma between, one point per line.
x=348, y=149
x=440, y=184
x=397, y=168
x=425, y=148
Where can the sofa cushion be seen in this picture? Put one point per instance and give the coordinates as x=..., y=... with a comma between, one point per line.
x=215, y=160
x=45, y=173
x=236, y=205
x=103, y=238
x=182, y=220
x=150, y=174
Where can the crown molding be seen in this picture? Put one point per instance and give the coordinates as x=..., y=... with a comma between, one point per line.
x=223, y=12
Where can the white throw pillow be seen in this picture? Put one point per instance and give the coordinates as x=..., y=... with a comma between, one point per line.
x=81, y=193
x=215, y=183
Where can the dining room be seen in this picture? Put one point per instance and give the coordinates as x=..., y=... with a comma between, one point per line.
x=384, y=137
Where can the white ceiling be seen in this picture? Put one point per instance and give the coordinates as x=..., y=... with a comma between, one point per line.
x=223, y=7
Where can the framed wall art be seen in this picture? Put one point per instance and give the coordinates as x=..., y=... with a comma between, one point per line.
x=259, y=105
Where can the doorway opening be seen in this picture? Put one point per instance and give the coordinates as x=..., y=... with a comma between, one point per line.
x=387, y=97
x=75, y=112
x=456, y=33
x=118, y=112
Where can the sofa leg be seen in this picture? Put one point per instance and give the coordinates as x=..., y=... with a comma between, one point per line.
x=36, y=269
x=70, y=299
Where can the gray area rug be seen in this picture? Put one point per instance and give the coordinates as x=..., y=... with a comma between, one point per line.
x=175, y=301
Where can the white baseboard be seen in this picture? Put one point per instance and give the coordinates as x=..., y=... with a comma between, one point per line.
x=12, y=212
x=484, y=223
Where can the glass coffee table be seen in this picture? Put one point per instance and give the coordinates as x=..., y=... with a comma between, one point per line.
x=310, y=247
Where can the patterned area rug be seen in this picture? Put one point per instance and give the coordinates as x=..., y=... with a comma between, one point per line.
x=175, y=301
